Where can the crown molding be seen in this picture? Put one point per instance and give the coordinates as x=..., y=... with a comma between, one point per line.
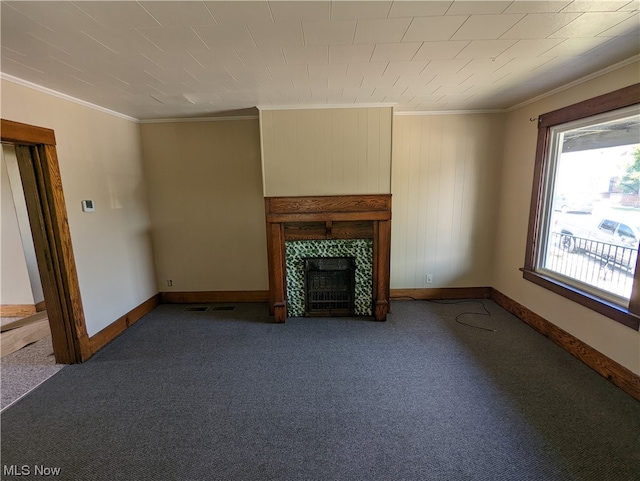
x=198, y=119
x=325, y=106
x=409, y=113
x=575, y=83
x=60, y=95
x=54, y=93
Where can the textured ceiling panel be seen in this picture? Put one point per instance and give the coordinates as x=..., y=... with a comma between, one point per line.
x=167, y=59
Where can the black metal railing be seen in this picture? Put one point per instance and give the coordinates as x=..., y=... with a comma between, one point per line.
x=606, y=266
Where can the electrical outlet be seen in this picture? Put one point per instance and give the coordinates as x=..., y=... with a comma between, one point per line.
x=429, y=278
x=169, y=282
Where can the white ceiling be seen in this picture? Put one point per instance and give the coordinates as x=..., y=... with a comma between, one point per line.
x=171, y=59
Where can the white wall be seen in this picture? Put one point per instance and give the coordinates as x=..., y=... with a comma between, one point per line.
x=15, y=288
x=445, y=192
x=616, y=341
x=326, y=151
x=100, y=159
x=22, y=215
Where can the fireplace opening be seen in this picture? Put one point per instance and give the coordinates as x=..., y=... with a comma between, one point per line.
x=329, y=286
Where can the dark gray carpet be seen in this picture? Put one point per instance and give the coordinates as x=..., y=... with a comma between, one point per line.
x=222, y=395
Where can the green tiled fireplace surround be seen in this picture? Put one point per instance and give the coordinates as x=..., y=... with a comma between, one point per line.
x=361, y=249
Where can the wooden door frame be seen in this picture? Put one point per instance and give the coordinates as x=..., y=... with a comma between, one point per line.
x=40, y=176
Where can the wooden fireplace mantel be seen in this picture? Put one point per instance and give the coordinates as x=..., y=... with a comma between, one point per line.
x=328, y=217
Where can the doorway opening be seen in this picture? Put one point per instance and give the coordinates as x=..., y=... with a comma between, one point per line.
x=40, y=177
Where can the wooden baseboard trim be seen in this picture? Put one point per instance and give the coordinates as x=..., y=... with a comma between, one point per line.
x=41, y=306
x=17, y=310
x=442, y=293
x=113, y=330
x=619, y=375
x=213, y=296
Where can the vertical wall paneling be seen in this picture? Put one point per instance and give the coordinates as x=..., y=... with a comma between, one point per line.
x=384, y=142
x=326, y=151
x=291, y=159
x=337, y=141
x=362, y=149
x=399, y=198
x=445, y=197
x=350, y=151
x=450, y=141
x=322, y=123
x=433, y=199
x=423, y=204
x=373, y=150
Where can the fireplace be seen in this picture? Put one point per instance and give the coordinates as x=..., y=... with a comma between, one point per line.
x=329, y=286
x=356, y=219
x=297, y=251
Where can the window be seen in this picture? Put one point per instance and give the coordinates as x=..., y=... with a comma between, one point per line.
x=626, y=232
x=584, y=225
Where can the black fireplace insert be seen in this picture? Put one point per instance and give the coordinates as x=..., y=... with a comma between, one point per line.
x=329, y=286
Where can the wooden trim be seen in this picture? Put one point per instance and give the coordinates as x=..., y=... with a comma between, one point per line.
x=113, y=330
x=17, y=310
x=278, y=258
x=24, y=134
x=634, y=300
x=618, y=99
x=41, y=306
x=321, y=204
x=40, y=175
x=271, y=267
x=442, y=293
x=537, y=196
x=290, y=218
x=328, y=208
x=62, y=344
x=42, y=214
x=619, y=375
x=381, y=287
x=213, y=296
x=60, y=245
x=331, y=216
x=597, y=304
x=328, y=230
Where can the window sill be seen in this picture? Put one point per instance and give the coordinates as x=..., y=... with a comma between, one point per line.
x=601, y=306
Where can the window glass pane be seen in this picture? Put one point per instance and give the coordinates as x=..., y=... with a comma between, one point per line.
x=591, y=220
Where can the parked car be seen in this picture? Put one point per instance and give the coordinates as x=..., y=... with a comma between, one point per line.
x=578, y=203
x=612, y=240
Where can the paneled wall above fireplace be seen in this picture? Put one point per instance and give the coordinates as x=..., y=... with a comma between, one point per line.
x=322, y=218
x=330, y=151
